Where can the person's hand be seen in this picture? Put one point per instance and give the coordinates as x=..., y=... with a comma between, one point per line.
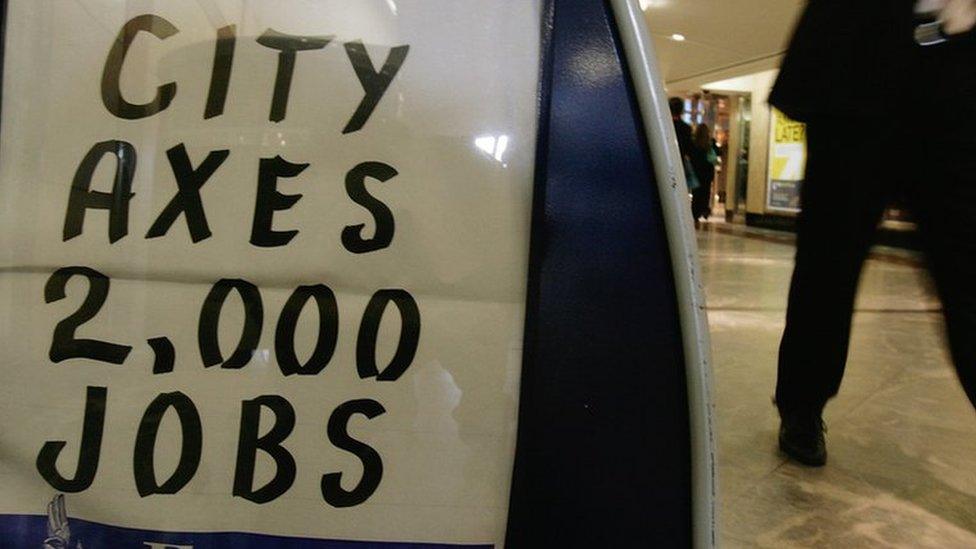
x=58, y=532
x=958, y=16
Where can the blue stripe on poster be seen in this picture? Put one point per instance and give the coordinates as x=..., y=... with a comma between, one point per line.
x=32, y=531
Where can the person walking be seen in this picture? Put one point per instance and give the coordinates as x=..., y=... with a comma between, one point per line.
x=703, y=158
x=686, y=146
x=884, y=113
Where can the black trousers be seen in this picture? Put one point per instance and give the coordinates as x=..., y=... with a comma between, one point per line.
x=854, y=167
x=701, y=200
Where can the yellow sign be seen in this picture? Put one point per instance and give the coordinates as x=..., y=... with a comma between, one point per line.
x=788, y=153
x=787, y=162
x=786, y=130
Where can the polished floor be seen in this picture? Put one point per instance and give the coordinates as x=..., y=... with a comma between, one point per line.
x=901, y=470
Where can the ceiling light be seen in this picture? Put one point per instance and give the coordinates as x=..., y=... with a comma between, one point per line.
x=678, y=37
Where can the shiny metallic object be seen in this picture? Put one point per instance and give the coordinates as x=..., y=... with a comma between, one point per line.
x=930, y=34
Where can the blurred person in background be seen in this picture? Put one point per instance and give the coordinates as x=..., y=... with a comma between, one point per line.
x=686, y=144
x=884, y=114
x=681, y=128
x=703, y=158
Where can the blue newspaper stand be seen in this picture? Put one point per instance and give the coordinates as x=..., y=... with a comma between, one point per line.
x=614, y=442
x=615, y=436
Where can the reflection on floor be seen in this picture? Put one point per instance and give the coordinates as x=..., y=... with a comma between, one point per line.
x=902, y=436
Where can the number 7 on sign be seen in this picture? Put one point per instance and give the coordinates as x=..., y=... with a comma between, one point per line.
x=789, y=162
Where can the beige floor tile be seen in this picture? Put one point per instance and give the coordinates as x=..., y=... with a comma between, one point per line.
x=902, y=436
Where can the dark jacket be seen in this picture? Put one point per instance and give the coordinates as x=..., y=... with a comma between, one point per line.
x=848, y=57
x=704, y=170
x=683, y=132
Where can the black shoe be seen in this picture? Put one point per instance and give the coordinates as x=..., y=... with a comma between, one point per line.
x=801, y=437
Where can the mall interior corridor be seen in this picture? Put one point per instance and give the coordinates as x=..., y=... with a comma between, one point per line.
x=901, y=435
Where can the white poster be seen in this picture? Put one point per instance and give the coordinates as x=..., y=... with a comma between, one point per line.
x=263, y=270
